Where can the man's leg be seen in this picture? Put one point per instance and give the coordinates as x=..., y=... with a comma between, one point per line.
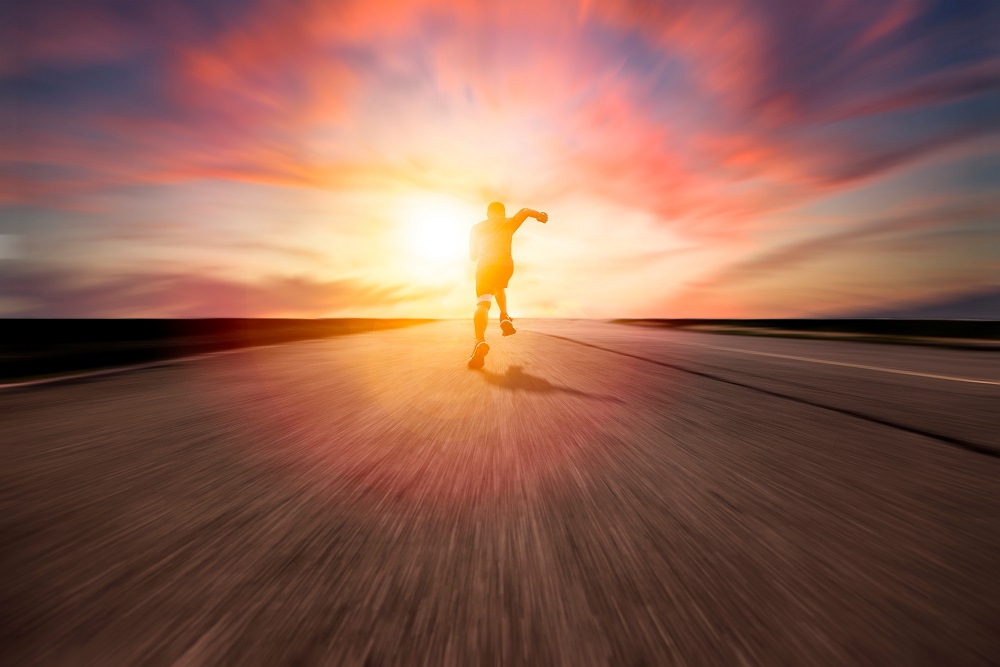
x=501, y=296
x=506, y=326
x=481, y=317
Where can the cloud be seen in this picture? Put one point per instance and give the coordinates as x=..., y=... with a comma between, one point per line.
x=933, y=89
x=787, y=256
x=785, y=62
x=244, y=103
x=36, y=292
x=52, y=33
x=813, y=275
x=980, y=304
x=707, y=118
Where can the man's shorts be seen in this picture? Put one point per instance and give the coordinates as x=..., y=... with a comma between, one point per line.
x=493, y=275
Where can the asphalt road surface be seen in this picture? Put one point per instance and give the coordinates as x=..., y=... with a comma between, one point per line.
x=598, y=494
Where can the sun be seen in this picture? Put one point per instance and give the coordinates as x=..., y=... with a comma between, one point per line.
x=438, y=229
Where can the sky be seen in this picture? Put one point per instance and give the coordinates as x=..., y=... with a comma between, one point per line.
x=306, y=158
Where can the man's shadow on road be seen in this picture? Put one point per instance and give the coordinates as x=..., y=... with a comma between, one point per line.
x=516, y=379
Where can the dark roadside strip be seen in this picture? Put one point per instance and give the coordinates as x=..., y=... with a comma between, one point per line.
x=946, y=439
x=980, y=335
x=40, y=352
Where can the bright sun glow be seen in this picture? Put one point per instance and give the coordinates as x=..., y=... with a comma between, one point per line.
x=438, y=228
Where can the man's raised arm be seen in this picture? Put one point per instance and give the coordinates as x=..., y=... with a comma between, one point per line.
x=526, y=213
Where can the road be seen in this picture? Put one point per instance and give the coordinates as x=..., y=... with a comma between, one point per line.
x=598, y=494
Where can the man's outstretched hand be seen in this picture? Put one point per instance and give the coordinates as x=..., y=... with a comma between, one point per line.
x=543, y=217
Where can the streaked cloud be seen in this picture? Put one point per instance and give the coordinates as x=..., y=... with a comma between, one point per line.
x=643, y=127
x=48, y=293
x=852, y=268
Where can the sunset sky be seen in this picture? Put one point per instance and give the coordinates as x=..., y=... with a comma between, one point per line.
x=305, y=158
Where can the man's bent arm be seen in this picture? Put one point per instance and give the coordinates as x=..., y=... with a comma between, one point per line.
x=523, y=215
x=473, y=246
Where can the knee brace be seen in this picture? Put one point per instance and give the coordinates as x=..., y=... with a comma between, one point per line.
x=486, y=299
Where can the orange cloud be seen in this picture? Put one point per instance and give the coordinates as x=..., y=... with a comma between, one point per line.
x=48, y=293
x=703, y=120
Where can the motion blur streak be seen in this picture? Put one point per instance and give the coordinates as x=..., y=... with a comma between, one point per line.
x=877, y=369
x=305, y=158
x=366, y=500
x=240, y=223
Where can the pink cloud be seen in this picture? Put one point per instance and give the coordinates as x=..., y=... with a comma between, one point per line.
x=62, y=32
x=254, y=92
x=49, y=293
x=796, y=278
x=705, y=117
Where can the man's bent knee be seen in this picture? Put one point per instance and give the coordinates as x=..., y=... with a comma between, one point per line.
x=484, y=301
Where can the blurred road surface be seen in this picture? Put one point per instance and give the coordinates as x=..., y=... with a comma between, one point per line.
x=598, y=494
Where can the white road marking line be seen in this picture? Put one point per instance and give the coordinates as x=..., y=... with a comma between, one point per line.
x=895, y=371
x=161, y=362
x=135, y=367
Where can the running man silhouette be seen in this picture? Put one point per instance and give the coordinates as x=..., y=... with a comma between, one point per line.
x=490, y=243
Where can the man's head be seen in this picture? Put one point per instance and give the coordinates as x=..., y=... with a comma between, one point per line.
x=496, y=211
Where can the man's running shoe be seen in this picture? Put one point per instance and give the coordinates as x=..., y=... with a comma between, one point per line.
x=507, y=327
x=479, y=354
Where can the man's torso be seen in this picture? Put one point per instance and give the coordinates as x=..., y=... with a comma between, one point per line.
x=495, y=239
